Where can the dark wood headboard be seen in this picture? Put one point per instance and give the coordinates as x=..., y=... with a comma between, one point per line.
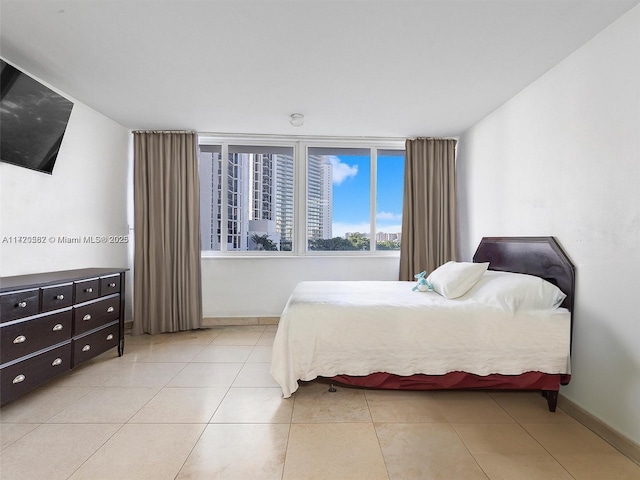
x=539, y=256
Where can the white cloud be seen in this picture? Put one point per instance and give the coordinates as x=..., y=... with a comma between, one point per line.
x=338, y=229
x=341, y=171
x=388, y=216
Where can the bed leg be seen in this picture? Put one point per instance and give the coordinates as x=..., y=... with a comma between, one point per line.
x=332, y=388
x=552, y=399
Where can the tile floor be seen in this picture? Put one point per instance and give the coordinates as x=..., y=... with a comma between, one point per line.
x=202, y=405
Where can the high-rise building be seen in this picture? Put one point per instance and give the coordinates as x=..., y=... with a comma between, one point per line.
x=237, y=206
x=284, y=183
x=319, y=197
x=210, y=171
x=260, y=200
x=388, y=237
x=263, y=170
x=327, y=200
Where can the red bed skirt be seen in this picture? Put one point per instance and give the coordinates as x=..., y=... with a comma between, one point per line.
x=457, y=380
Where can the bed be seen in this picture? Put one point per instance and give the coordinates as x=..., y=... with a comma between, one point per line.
x=386, y=335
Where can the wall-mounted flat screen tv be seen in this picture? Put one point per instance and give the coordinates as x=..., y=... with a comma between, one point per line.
x=33, y=119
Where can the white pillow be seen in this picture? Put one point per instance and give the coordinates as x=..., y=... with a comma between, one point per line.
x=454, y=279
x=515, y=292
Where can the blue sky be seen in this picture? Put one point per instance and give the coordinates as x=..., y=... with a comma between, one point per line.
x=351, y=194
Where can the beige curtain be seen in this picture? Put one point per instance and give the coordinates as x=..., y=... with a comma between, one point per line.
x=166, y=276
x=429, y=206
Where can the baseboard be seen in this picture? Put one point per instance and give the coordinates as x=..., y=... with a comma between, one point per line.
x=627, y=446
x=209, y=322
x=238, y=321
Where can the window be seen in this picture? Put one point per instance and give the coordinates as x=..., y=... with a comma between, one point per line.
x=300, y=197
x=210, y=170
x=338, y=198
x=389, y=192
x=259, y=198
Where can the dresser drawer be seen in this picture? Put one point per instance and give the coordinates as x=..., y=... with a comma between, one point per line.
x=109, y=285
x=89, y=316
x=26, y=337
x=86, y=290
x=57, y=296
x=94, y=343
x=21, y=377
x=23, y=303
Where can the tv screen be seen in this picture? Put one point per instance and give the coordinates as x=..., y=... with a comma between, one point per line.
x=33, y=119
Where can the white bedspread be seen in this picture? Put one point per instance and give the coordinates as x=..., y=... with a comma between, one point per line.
x=358, y=328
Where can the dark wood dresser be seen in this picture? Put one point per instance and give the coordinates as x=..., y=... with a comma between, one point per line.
x=52, y=322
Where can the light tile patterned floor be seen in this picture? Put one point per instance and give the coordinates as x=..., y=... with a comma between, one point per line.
x=202, y=405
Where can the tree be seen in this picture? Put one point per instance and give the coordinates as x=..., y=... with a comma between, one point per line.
x=263, y=242
x=331, y=244
x=359, y=241
x=388, y=245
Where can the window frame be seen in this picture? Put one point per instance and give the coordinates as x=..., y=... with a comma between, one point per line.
x=300, y=146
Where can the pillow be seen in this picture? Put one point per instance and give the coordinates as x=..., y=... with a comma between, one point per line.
x=454, y=279
x=515, y=292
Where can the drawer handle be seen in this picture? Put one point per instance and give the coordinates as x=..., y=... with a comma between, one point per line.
x=22, y=304
x=110, y=336
x=57, y=327
x=20, y=339
x=110, y=309
x=59, y=297
x=56, y=362
x=88, y=290
x=112, y=285
x=86, y=348
x=19, y=378
x=87, y=317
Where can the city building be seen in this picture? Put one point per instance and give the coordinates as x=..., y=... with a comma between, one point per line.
x=319, y=197
x=259, y=199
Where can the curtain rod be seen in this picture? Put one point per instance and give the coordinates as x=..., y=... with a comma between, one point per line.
x=435, y=138
x=166, y=131
x=308, y=137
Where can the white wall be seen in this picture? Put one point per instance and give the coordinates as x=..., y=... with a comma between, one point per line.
x=260, y=286
x=85, y=196
x=562, y=158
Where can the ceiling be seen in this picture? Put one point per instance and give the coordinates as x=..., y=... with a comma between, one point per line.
x=353, y=68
